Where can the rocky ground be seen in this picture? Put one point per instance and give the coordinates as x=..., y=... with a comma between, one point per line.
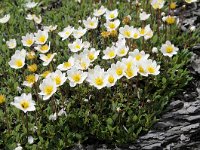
x=179, y=125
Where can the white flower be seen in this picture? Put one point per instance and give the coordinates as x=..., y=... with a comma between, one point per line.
x=18, y=59
x=126, y=31
x=91, y=23
x=149, y=33
x=100, y=11
x=152, y=67
x=47, y=58
x=30, y=5
x=154, y=50
x=136, y=33
x=137, y=55
x=43, y=48
x=110, y=53
x=190, y=1
x=79, y=32
x=41, y=37
x=97, y=77
x=58, y=77
x=119, y=68
x=129, y=62
x=38, y=19
x=5, y=19
x=24, y=102
x=92, y=54
x=30, y=16
x=66, y=32
x=30, y=80
x=28, y=40
x=48, y=88
x=76, y=76
x=62, y=112
x=50, y=28
x=53, y=117
x=86, y=44
x=142, y=67
x=130, y=71
x=76, y=46
x=82, y=62
x=122, y=50
x=144, y=16
x=111, y=77
x=144, y=31
x=11, y=43
x=192, y=28
x=18, y=147
x=67, y=65
x=30, y=140
x=111, y=14
x=112, y=25
x=157, y=4
x=169, y=49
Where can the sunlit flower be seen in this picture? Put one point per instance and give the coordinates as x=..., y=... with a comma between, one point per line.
x=149, y=33
x=66, y=65
x=58, y=77
x=30, y=80
x=169, y=49
x=136, y=33
x=122, y=50
x=30, y=4
x=129, y=62
x=28, y=40
x=91, y=23
x=92, y=54
x=157, y=4
x=130, y=71
x=112, y=25
x=47, y=58
x=143, y=31
x=152, y=67
x=32, y=68
x=24, y=102
x=111, y=14
x=37, y=19
x=126, y=31
x=82, y=62
x=11, y=43
x=137, y=55
x=48, y=88
x=119, y=68
x=78, y=33
x=111, y=77
x=76, y=46
x=144, y=16
x=66, y=32
x=97, y=77
x=41, y=37
x=110, y=52
x=76, y=76
x=43, y=48
x=5, y=19
x=100, y=11
x=18, y=59
x=142, y=67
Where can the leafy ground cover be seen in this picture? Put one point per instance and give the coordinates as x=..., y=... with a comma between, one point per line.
x=116, y=111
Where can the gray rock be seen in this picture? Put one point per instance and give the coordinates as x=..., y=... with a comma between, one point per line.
x=192, y=126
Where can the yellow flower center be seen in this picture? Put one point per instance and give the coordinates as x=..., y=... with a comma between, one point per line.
x=49, y=56
x=25, y=104
x=67, y=64
x=44, y=47
x=169, y=49
x=92, y=24
x=111, y=79
x=142, y=31
x=48, y=89
x=141, y=69
x=129, y=64
x=57, y=80
x=122, y=51
x=44, y=74
x=138, y=57
x=76, y=77
x=91, y=56
x=67, y=32
x=30, y=78
x=112, y=16
x=83, y=65
x=151, y=69
x=119, y=71
x=135, y=35
x=129, y=72
x=127, y=33
x=78, y=46
x=111, y=54
x=19, y=63
x=2, y=99
x=99, y=81
x=42, y=38
x=170, y=20
x=29, y=42
x=112, y=25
